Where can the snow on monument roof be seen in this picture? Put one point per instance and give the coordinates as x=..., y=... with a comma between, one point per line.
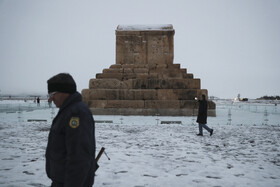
x=145, y=27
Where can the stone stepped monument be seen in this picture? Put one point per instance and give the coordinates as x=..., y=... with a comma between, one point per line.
x=144, y=80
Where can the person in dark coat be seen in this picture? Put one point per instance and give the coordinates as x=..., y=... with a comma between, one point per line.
x=202, y=117
x=70, y=153
x=38, y=101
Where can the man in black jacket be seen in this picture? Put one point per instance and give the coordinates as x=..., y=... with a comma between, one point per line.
x=70, y=153
x=202, y=117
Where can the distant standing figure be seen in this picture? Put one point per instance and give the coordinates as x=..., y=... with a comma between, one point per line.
x=38, y=101
x=202, y=117
x=50, y=103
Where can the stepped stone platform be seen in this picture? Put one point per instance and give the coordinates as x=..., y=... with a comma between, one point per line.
x=144, y=80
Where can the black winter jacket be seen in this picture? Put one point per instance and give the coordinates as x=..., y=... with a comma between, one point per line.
x=70, y=153
x=202, y=112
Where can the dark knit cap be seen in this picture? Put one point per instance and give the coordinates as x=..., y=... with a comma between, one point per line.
x=62, y=82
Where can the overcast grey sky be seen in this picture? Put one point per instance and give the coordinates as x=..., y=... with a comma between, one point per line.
x=233, y=46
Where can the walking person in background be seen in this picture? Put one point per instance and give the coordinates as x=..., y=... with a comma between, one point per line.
x=70, y=153
x=202, y=117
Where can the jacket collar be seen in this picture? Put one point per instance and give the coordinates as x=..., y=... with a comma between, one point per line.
x=76, y=97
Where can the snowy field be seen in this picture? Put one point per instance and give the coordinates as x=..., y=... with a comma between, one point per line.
x=243, y=151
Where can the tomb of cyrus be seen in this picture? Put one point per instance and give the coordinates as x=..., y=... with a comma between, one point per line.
x=144, y=80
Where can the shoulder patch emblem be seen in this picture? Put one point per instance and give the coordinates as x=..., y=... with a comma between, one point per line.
x=74, y=122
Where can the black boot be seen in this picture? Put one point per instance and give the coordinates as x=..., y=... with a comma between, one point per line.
x=211, y=132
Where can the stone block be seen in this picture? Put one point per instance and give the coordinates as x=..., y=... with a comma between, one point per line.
x=191, y=104
x=177, y=94
x=142, y=65
x=140, y=84
x=185, y=76
x=111, y=94
x=142, y=76
x=174, y=66
x=118, y=76
x=153, y=75
x=172, y=83
x=85, y=94
x=185, y=94
x=155, y=71
x=128, y=83
x=194, y=84
x=211, y=106
x=146, y=94
x=125, y=104
x=116, y=66
x=161, y=104
x=161, y=66
x=109, y=84
x=178, y=83
x=154, y=83
x=128, y=76
x=97, y=94
x=99, y=75
x=106, y=104
x=183, y=71
x=97, y=103
x=160, y=49
x=183, y=83
x=125, y=94
x=171, y=73
x=140, y=70
x=130, y=49
x=189, y=76
x=151, y=66
x=112, y=71
x=167, y=94
x=129, y=66
x=127, y=70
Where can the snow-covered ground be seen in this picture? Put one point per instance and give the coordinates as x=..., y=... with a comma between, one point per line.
x=243, y=151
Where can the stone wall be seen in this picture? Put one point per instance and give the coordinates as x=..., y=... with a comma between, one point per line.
x=144, y=80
